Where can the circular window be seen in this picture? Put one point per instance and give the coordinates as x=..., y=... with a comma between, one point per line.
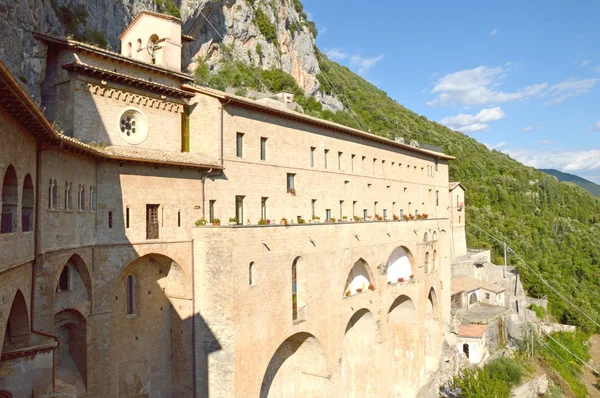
x=133, y=126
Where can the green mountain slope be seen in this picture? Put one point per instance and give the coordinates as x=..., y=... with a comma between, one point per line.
x=582, y=182
x=552, y=225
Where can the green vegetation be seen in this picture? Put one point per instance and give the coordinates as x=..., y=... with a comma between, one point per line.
x=495, y=379
x=167, y=7
x=540, y=312
x=582, y=182
x=73, y=18
x=553, y=226
x=265, y=26
x=202, y=73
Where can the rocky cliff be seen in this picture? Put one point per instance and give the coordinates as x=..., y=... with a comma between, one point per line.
x=260, y=33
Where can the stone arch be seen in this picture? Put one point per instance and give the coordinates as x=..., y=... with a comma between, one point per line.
x=425, y=237
x=359, y=278
x=17, y=332
x=432, y=332
x=5, y=394
x=10, y=201
x=70, y=326
x=80, y=281
x=399, y=264
x=160, y=326
x=361, y=357
x=298, y=368
x=473, y=299
x=27, y=201
x=405, y=348
x=434, y=236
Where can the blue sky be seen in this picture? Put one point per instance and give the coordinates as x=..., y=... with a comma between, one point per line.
x=519, y=76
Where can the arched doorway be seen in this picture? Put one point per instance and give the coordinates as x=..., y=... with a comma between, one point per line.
x=473, y=298
x=27, y=205
x=399, y=265
x=150, y=333
x=466, y=350
x=17, y=334
x=361, y=357
x=70, y=326
x=359, y=279
x=10, y=201
x=297, y=369
x=406, y=352
x=432, y=332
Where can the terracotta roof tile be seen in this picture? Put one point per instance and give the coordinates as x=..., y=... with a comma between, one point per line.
x=473, y=330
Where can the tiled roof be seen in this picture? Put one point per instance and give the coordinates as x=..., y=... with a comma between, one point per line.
x=242, y=101
x=152, y=155
x=110, y=54
x=469, y=284
x=475, y=331
x=453, y=185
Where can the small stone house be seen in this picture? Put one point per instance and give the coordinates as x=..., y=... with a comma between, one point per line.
x=468, y=292
x=471, y=342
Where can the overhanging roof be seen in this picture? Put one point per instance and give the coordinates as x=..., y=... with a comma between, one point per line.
x=227, y=98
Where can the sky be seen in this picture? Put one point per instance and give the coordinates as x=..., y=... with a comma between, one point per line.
x=522, y=77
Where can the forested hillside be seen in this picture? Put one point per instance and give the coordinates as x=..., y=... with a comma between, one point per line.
x=582, y=182
x=552, y=225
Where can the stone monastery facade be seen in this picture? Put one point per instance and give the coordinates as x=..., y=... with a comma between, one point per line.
x=112, y=287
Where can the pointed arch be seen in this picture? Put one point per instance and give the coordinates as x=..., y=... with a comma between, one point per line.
x=432, y=332
x=27, y=202
x=10, y=201
x=298, y=368
x=74, y=275
x=402, y=310
x=399, y=264
x=298, y=289
x=359, y=278
x=17, y=330
x=405, y=344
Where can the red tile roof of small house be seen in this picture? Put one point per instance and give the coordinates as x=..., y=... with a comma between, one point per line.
x=473, y=330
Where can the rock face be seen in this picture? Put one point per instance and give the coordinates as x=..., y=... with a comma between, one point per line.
x=266, y=34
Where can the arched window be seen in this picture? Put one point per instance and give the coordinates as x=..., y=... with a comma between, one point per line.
x=81, y=198
x=426, y=262
x=466, y=350
x=27, y=205
x=298, y=291
x=67, y=196
x=129, y=49
x=251, y=274
x=434, y=236
x=139, y=44
x=131, y=304
x=92, y=200
x=435, y=260
x=10, y=201
x=50, y=196
x=64, y=281
x=54, y=195
x=153, y=46
x=425, y=237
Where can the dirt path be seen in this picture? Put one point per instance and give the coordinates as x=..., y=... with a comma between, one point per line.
x=589, y=379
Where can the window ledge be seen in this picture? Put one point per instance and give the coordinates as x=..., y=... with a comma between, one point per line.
x=131, y=316
x=53, y=210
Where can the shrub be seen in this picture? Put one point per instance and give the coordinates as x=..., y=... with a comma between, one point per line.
x=477, y=383
x=316, y=218
x=265, y=26
x=167, y=7
x=356, y=218
x=540, y=312
x=506, y=370
x=201, y=222
x=202, y=73
x=215, y=221
x=233, y=219
x=301, y=220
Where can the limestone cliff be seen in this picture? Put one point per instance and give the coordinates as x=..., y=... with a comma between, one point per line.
x=261, y=33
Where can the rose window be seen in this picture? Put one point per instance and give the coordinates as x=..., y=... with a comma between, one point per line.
x=133, y=126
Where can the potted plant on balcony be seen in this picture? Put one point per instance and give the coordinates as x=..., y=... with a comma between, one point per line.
x=424, y=216
x=284, y=221
x=371, y=287
x=400, y=279
x=301, y=220
x=316, y=218
x=201, y=222
x=395, y=217
x=262, y=221
x=292, y=191
x=331, y=220
x=378, y=217
x=347, y=293
x=412, y=276
x=359, y=290
x=344, y=218
x=215, y=222
x=233, y=221
x=411, y=217
x=356, y=218
x=405, y=217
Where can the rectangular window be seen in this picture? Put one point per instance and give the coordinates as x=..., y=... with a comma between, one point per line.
x=362, y=164
x=374, y=161
x=401, y=213
x=327, y=214
x=152, y=221
x=263, y=148
x=437, y=198
x=385, y=214
x=110, y=219
x=436, y=165
x=365, y=215
x=127, y=217
x=263, y=208
x=239, y=145
x=312, y=206
x=312, y=156
x=290, y=182
x=179, y=218
x=239, y=209
x=352, y=162
x=340, y=160
x=341, y=209
x=211, y=210
x=325, y=152
x=353, y=209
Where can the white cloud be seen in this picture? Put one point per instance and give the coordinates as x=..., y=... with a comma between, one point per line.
x=595, y=127
x=585, y=63
x=526, y=129
x=494, y=32
x=547, y=142
x=473, y=123
x=477, y=87
x=365, y=63
x=581, y=162
x=336, y=54
x=569, y=88
x=597, y=68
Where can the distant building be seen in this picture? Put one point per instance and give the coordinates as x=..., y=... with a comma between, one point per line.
x=112, y=286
